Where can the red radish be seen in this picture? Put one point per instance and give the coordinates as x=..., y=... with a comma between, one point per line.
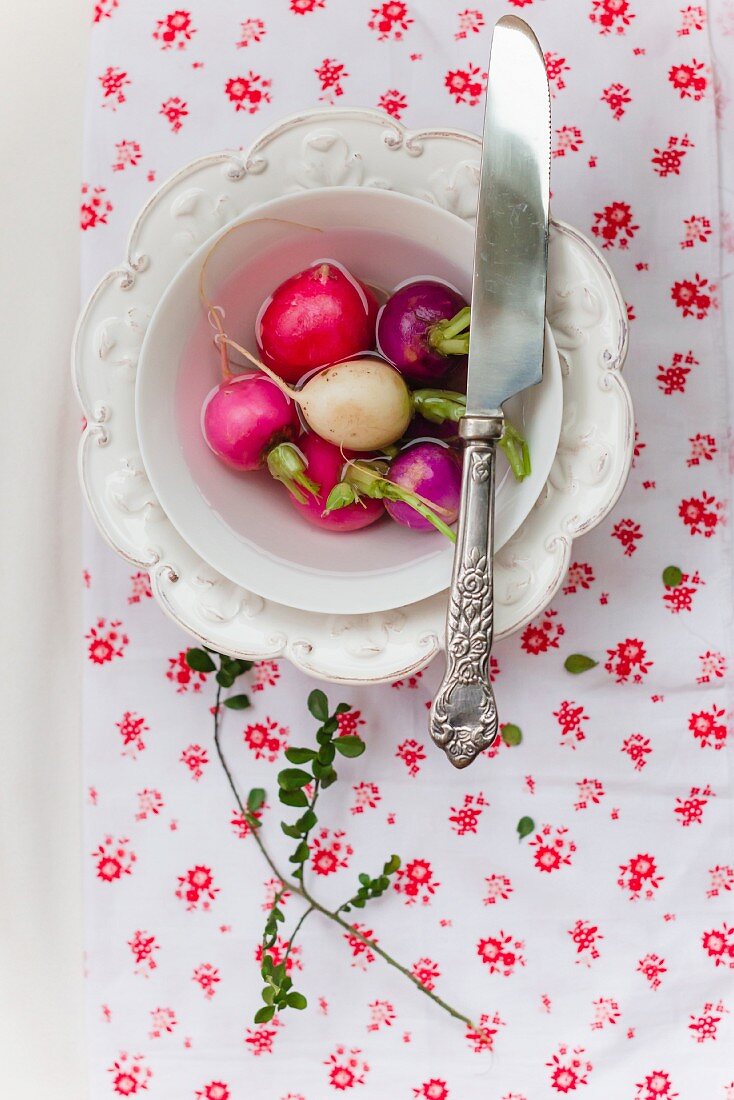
x=363, y=404
x=325, y=464
x=431, y=471
x=248, y=422
x=422, y=329
x=319, y=316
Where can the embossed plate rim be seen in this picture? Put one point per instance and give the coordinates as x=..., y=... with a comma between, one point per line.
x=307, y=641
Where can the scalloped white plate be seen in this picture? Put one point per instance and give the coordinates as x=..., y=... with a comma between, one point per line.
x=333, y=148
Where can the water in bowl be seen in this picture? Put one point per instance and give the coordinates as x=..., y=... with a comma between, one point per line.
x=252, y=505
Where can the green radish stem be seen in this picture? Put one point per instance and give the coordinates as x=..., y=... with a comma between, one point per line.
x=287, y=465
x=451, y=337
x=438, y=406
x=368, y=479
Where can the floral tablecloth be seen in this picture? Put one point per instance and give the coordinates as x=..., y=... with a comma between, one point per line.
x=598, y=952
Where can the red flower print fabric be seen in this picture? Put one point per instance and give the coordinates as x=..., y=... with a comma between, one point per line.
x=595, y=957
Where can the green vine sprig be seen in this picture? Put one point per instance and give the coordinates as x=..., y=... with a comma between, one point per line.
x=299, y=787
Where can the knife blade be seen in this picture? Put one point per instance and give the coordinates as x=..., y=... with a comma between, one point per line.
x=511, y=250
x=505, y=356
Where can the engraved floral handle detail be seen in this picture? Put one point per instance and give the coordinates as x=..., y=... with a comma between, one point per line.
x=464, y=715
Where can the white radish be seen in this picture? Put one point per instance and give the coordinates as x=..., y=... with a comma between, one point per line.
x=360, y=404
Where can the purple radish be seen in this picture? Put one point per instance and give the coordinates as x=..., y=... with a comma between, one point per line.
x=433, y=473
x=431, y=467
x=249, y=423
x=325, y=463
x=422, y=429
x=422, y=330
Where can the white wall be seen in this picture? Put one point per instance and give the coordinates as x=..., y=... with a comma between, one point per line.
x=42, y=70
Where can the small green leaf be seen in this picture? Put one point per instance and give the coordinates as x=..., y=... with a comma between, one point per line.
x=318, y=705
x=358, y=903
x=672, y=576
x=237, y=666
x=364, y=879
x=299, y=756
x=278, y=915
x=327, y=753
x=306, y=822
x=330, y=726
x=255, y=799
x=291, y=830
x=343, y=708
x=279, y=974
x=392, y=865
x=199, y=660
x=350, y=746
x=266, y=967
x=268, y=994
x=320, y=770
x=577, y=663
x=291, y=779
x=237, y=702
x=296, y=1000
x=293, y=798
x=225, y=678
x=264, y=1015
x=511, y=735
x=329, y=778
x=525, y=827
x=301, y=853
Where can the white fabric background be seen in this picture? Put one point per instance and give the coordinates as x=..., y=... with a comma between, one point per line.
x=40, y=931
x=42, y=71
x=206, y=1039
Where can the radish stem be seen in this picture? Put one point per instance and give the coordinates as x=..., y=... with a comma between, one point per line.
x=437, y=406
x=450, y=337
x=287, y=465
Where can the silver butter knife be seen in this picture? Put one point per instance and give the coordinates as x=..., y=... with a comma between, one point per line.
x=505, y=357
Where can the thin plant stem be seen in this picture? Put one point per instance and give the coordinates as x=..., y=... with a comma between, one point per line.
x=314, y=905
x=294, y=933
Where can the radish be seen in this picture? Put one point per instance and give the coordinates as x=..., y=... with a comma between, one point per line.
x=439, y=474
x=422, y=329
x=319, y=316
x=325, y=464
x=433, y=472
x=248, y=422
x=362, y=404
x=441, y=407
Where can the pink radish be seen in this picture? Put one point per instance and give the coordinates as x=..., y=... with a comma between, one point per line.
x=325, y=464
x=319, y=316
x=248, y=422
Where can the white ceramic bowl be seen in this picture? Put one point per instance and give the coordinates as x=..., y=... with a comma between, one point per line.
x=243, y=524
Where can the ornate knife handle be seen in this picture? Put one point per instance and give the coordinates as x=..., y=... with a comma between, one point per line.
x=464, y=715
